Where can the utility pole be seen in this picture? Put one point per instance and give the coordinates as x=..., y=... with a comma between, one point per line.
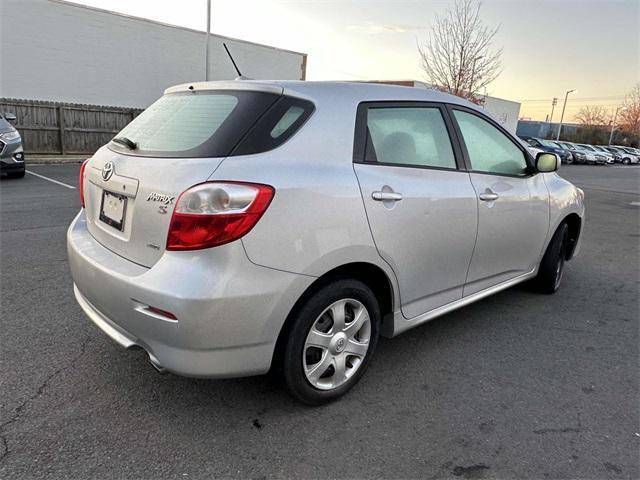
x=206, y=48
x=613, y=125
x=553, y=106
x=562, y=116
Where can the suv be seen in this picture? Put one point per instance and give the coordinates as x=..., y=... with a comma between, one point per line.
x=11, y=152
x=548, y=146
x=237, y=227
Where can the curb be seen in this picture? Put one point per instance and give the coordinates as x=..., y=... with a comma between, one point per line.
x=53, y=160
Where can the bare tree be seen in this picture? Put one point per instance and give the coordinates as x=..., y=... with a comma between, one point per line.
x=457, y=56
x=630, y=112
x=591, y=116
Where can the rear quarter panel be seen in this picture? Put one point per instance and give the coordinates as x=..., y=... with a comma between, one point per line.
x=317, y=220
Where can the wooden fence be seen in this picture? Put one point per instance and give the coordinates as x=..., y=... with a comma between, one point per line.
x=66, y=128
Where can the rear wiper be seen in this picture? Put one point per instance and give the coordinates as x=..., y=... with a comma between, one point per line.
x=130, y=144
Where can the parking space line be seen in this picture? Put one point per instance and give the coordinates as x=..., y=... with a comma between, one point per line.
x=51, y=180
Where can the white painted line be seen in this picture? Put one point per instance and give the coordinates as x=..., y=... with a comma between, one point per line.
x=635, y=204
x=51, y=180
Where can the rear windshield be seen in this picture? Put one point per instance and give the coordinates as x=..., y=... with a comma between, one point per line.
x=212, y=124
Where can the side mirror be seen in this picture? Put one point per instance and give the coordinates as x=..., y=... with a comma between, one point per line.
x=10, y=117
x=547, y=162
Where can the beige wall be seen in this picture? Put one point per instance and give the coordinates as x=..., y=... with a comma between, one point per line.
x=53, y=50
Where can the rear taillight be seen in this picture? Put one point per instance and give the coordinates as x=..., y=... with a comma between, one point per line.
x=215, y=213
x=81, y=182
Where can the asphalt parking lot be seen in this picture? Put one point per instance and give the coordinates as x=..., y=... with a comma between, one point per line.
x=519, y=385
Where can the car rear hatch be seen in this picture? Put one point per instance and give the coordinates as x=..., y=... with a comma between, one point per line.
x=131, y=186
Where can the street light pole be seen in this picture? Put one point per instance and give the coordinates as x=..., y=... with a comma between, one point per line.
x=613, y=125
x=553, y=107
x=562, y=116
x=206, y=48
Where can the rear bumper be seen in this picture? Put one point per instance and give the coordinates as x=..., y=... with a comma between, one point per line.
x=229, y=311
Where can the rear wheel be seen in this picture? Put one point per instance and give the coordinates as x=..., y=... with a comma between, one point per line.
x=331, y=342
x=552, y=265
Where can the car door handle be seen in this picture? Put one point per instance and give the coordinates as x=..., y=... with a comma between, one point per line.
x=488, y=196
x=386, y=196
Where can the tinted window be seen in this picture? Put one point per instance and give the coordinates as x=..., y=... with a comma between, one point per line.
x=176, y=123
x=489, y=149
x=288, y=119
x=408, y=136
x=283, y=120
x=195, y=124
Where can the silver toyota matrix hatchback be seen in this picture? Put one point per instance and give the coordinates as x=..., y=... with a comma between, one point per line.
x=235, y=228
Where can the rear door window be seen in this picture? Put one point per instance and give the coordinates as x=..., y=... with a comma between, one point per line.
x=410, y=136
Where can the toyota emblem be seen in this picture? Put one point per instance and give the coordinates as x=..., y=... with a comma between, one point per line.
x=107, y=171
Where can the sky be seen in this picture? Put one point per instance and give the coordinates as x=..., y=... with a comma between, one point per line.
x=549, y=47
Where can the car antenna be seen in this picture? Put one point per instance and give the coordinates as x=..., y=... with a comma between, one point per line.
x=240, y=76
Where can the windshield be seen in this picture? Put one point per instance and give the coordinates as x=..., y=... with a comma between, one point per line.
x=548, y=143
x=586, y=147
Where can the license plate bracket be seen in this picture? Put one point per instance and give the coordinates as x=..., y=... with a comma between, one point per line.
x=113, y=209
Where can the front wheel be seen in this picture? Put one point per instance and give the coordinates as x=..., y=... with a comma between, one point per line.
x=331, y=342
x=552, y=265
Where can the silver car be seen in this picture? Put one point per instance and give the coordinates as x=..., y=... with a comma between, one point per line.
x=235, y=228
x=11, y=151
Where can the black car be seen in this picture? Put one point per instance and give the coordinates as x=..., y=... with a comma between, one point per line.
x=11, y=151
x=566, y=156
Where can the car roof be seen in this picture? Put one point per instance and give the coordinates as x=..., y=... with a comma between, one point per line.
x=322, y=90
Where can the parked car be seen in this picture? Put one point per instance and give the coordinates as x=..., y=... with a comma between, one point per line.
x=238, y=227
x=593, y=157
x=632, y=155
x=624, y=157
x=617, y=158
x=563, y=153
x=605, y=157
x=11, y=151
x=579, y=156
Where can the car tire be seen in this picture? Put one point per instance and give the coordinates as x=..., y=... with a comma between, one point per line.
x=19, y=174
x=553, y=262
x=319, y=361
x=569, y=160
x=625, y=161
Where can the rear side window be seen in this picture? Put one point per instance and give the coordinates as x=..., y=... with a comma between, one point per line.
x=276, y=126
x=412, y=136
x=215, y=123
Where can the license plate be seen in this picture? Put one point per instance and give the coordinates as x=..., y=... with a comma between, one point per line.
x=113, y=209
